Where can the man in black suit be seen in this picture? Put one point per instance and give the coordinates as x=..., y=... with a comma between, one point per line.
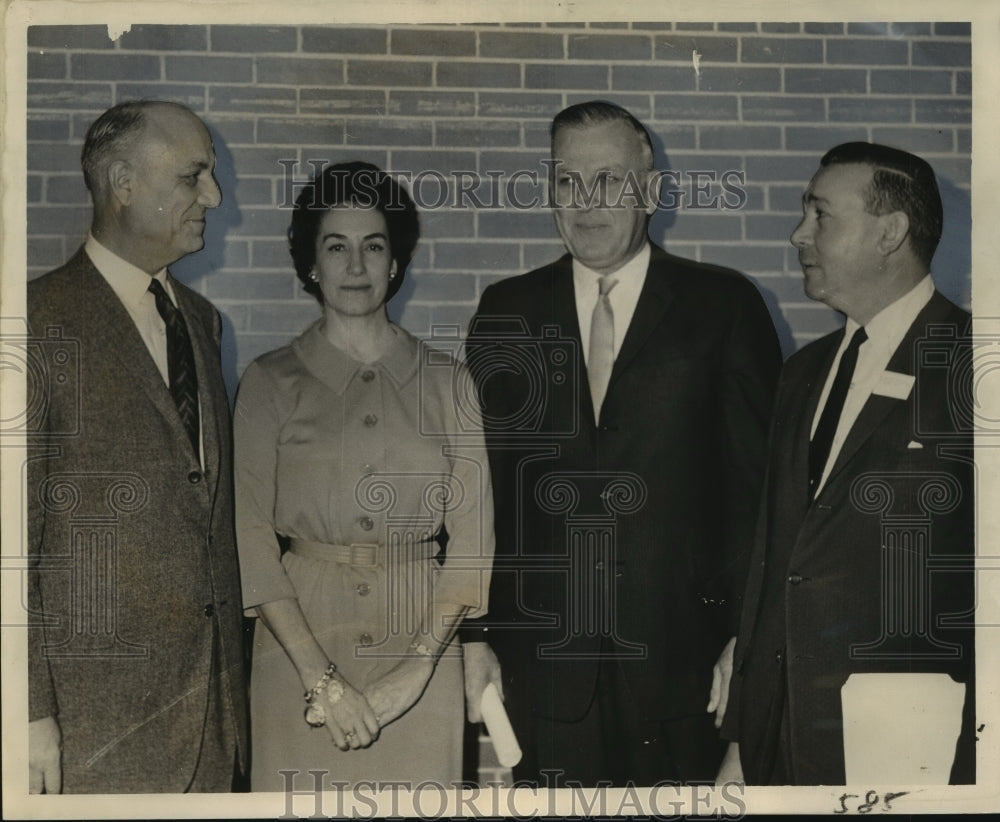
x=863, y=557
x=626, y=394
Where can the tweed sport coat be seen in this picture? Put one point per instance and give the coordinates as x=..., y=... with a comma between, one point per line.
x=134, y=591
x=628, y=534
x=874, y=575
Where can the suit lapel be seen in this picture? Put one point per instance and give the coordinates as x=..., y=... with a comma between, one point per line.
x=878, y=408
x=563, y=315
x=203, y=348
x=654, y=300
x=803, y=411
x=119, y=334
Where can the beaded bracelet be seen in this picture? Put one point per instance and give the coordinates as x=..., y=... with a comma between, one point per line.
x=320, y=686
x=420, y=649
x=315, y=715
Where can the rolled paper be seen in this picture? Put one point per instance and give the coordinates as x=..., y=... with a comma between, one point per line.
x=498, y=727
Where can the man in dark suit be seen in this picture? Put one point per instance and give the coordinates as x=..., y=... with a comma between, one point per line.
x=862, y=560
x=135, y=660
x=625, y=396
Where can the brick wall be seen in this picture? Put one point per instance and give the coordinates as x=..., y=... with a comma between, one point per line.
x=761, y=99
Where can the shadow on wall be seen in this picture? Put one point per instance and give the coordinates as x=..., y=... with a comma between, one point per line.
x=664, y=218
x=212, y=257
x=952, y=264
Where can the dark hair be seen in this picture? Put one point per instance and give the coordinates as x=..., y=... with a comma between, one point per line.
x=111, y=133
x=900, y=182
x=358, y=184
x=600, y=111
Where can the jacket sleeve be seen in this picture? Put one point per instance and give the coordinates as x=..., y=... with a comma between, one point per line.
x=751, y=365
x=490, y=395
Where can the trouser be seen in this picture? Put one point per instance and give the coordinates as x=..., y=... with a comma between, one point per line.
x=614, y=743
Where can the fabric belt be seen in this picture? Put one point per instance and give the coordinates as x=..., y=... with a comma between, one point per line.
x=363, y=553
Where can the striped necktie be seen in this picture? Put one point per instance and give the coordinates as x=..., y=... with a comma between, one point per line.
x=183, y=377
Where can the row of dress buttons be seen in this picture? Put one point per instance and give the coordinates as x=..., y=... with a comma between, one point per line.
x=370, y=420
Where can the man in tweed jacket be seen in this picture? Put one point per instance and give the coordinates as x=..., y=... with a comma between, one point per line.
x=136, y=680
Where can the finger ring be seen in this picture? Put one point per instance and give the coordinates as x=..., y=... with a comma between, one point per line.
x=349, y=734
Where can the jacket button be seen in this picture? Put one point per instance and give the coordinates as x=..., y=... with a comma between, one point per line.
x=599, y=566
x=778, y=656
x=795, y=579
x=366, y=523
x=194, y=477
x=209, y=610
x=368, y=376
x=363, y=589
x=371, y=420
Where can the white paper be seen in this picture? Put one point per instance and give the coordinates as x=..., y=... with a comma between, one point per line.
x=499, y=728
x=900, y=729
x=895, y=385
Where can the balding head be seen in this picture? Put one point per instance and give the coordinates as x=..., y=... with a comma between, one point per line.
x=149, y=167
x=116, y=134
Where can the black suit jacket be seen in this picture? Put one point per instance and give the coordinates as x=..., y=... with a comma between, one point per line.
x=134, y=588
x=626, y=535
x=843, y=584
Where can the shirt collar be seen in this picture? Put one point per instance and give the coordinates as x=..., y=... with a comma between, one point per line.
x=129, y=282
x=635, y=270
x=335, y=369
x=887, y=328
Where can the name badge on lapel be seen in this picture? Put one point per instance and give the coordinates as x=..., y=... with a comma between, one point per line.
x=895, y=385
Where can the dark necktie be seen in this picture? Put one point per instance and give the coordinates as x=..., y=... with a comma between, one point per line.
x=183, y=377
x=822, y=441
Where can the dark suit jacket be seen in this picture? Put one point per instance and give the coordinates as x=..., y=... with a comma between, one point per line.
x=628, y=535
x=133, y=581
x=818, y=604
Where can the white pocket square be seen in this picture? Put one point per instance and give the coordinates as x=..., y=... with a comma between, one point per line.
x=895, y=385
x=913, y=445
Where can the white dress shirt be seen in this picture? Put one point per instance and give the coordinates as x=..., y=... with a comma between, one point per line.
x=131, y=286
x=885, y=332
x=624, y=297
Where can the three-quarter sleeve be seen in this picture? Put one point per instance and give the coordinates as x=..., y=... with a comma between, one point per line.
x=464, y=578
x=256, y=427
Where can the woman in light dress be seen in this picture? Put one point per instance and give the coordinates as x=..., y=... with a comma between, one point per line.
x=364, y=513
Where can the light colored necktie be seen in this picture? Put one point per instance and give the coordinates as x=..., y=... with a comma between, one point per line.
x=601, y=354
